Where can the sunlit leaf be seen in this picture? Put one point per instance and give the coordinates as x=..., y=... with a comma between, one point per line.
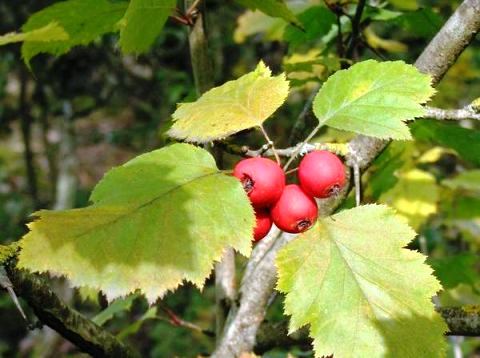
x=361, y=291
x=414, y=196
x=273, y=8
x=230, y=108
x=82, y=20
x=256, y=22
x=50, y=32
x=157, y=220
x=374, y=98
x=142, y=23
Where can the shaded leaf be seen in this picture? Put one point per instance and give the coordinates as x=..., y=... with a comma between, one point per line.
x=373, y=98
x=117, y=306
x=142, y=23
x=455, y=270
x=466, y=142
x=316, y=21
x=256, y=22
x=157, y=220
x=362, y=293
x=234, y=106
x=50, y=32
x=82, y=20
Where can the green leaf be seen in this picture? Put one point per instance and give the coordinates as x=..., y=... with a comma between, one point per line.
x=373, y=98
x=142, y=23
x=117, y=306
x=455, y=270
x=414, y=196
x=404, y=4
x=469, y=181
x=317, y=21
x=157, y=220
x=256, y=22
x=50, y=32
x=273, y=8
x=423, y=23
x=236, y=105
x=362, y=293
x=83, y=21
x=466, y=142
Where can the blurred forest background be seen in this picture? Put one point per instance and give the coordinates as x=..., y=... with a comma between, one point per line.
x=72, y=118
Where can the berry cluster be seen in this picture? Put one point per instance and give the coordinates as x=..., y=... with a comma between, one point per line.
x=291, y=207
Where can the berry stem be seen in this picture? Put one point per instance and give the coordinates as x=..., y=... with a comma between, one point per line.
x=300, y=148
x=270, y=143
x=291, y=171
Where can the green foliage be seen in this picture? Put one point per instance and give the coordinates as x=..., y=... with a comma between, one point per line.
x=362, y=293
x=455, y=270
x=236, y=105
x=82, y=20
x=142, y=23
x=157, y=220
x=468, y=180
x=373, y=98
x=420, y=23
x=117, y=306
x=273, y=8
x=414, y=196
x=466, y=142
x=48, y=33
x=316, y=22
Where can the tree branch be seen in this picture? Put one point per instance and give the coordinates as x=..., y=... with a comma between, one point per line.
x=452, y=114
x=240, y=334
x=86, y=335
x=461, y=321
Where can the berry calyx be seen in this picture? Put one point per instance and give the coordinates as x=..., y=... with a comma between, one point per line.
x=321, y=174
x=262, y=179
x=263, y=224
x=295, y=211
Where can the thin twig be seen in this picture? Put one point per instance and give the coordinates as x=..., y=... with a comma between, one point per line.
x=355, y=28
x=270, y=144
x=301, y=146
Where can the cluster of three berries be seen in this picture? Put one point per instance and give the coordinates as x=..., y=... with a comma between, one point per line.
x=291, y=207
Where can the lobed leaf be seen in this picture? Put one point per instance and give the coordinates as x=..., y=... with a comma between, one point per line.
x=362, y=293
x=373, y=98
x=157, y=220
x=234, y=106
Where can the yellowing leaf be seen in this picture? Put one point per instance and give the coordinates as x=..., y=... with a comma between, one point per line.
x=468, y=180
x=273, y=8
x=362, y=293
x=230, y=108
x=157, y=220
x=254, y=22
x=373, y=98
x=50, y=32
x=415, y=196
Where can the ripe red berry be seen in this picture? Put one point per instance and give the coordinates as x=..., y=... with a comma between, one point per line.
x=262, y=179
x=321, y=174
x=263, y=224
x=295, y=211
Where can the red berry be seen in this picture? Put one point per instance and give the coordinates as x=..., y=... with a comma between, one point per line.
x=263, y=224
x=262, y=179
x=321, y=174
x=295, y=211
